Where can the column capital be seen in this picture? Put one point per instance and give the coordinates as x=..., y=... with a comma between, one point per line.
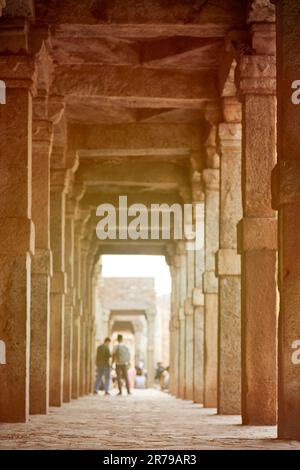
x=256, y=74
x=59, y=180
x=55, y=108
x=261, y=11
x=19, y=71
x=230, y=138
x=232, y=109
x=42, y=131
x=211, y=179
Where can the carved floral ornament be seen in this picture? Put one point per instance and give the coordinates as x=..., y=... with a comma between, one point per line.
x=261, y=11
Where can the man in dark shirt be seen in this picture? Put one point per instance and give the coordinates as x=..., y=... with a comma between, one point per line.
x=103, y=366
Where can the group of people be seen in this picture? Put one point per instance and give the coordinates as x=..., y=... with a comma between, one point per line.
x=132, y=376
x=120, y=357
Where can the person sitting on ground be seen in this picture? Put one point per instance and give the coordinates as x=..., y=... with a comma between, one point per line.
x=158, y=374
x=103, y=366
x=140, y=379
x=121, y=356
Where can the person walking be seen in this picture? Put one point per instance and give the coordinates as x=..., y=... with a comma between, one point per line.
x=103, y=366
x=121, y=357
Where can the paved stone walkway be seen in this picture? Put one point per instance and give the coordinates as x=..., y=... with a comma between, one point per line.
x=148, y=419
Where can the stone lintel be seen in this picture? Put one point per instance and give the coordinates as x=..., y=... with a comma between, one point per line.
x=211, y=178
x=228, y=262
x=42, y=262
x=188, y=307
x=286, y=183
x=210, y=283
x=257, y=233
x=256, y=74
x=59, y=283
x=17, y=236
x=198, y=297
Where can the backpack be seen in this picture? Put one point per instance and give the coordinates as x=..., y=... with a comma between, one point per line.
x=122, y=354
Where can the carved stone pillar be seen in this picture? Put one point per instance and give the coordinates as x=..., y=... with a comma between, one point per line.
x=77, y=313
x=181, y=317
x=210, y=282
x=257, y=88
x=150, y=348
x=174, y=338
x=229, y=264
x=58, y=284
x=42, y=260
x=16, y=235
x=198, y=303
x=189, y=321
x=70, y=298
x=287, y=200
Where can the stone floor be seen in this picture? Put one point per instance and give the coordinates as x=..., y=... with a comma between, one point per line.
x=148, y=419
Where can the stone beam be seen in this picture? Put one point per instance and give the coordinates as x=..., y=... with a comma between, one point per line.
x=137, y=174
x=154, y=154
x=133, y=82
x=147, y=198
x=136, y=136
x=141, y=31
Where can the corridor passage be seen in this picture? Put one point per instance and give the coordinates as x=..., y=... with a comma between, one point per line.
x=148, y=419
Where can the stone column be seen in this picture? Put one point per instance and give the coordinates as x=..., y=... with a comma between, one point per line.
x=198, y=303
x=77, y=313
x=181, y=317
x=70, y=299
x=210, y=283
x=287, y=195
x=42, y=260
x=83, y=319
x=16, y=235
x=174, y=338
x=150, y=348
x=257, y=83
x=58, y=284
x=189, y=321
x=229, y=263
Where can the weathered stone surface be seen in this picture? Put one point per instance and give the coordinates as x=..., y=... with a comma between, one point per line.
x=229, y=385
x=228, y=262
x=258, y=233
x=185, y=426
x=210, y=283
x=288, y=157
